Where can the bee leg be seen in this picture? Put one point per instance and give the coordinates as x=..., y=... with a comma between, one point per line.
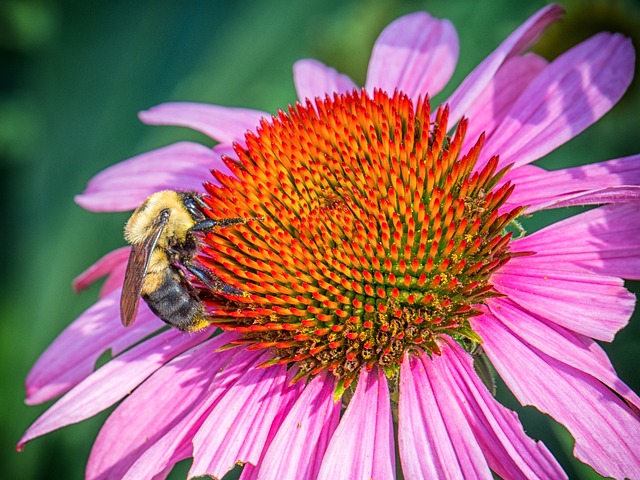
x=211, y=223
x=212, y=281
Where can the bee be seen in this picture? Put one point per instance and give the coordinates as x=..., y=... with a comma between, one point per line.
x=161, y=232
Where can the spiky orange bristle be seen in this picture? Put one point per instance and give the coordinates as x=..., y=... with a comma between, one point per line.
x=377, y=233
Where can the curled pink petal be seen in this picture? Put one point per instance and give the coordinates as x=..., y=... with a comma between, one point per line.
x=125, y=185
x=610, y=195
x=565, y=292
x=223, y=124
x=573, y=92
x=540, y=189
x=602, y=240
x=362, y=445
x=304, y=433
x=604, y=427
x=416, y=54
x=72, y=356
x=314, y=79
x=522, y=38
x=112, y=382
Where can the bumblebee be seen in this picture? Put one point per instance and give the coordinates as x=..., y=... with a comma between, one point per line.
x=163, y=244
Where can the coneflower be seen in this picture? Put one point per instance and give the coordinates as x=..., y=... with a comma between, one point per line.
x=386, y=261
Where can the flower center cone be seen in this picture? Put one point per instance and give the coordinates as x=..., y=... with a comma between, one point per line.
x=377, y=234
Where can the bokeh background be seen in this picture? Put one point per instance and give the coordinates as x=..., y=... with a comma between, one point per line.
x=73, y=74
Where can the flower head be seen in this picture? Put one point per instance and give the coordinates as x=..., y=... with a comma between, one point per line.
x=377, y=235
x=383, y=261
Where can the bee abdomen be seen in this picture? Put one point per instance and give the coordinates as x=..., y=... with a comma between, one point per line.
x=174, y=304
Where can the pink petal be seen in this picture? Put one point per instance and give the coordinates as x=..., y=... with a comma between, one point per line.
x=521, y=39
x=434, y=438
x=608, y=195
x=541, y=189
x=112, y=264
x=575, y=350
x=604, y=427
x=112, y=382
x=573, y=92
x=163, y=475
x=605, y=240
x=509, y=451
x=288, y=397
x=125, y=185
x=72, y=356
x=237, y=428
x=415, y=54
x=174, y=444
x=362, y=446
x=299, y=446
x=223, y=124
x=172, y=393
x=587, y=303
x=225, y=150
x=495, y=101
x=314, y=79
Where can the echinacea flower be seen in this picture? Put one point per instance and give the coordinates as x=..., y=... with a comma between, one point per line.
x=384, y=260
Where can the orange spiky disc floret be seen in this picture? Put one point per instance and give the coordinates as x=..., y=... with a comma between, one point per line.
x=376, y=236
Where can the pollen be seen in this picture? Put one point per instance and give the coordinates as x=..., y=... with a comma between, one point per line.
x=377, y=234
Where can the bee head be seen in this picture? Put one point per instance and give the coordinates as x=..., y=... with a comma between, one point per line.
x=149, y=216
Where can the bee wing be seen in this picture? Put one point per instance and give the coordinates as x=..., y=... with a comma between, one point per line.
x=136, y=271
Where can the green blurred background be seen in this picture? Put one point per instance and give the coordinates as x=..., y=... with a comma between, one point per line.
x=73, y=75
